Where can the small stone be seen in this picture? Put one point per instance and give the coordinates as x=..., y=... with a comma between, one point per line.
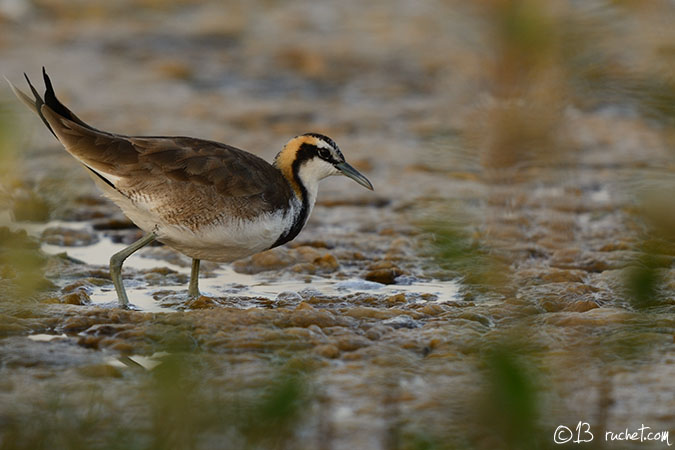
x=298, y=332
x=76, y=324
x=67, y=237
x=582, y=306
x=384, y=276
x=304, y=306
x=327, y=351
x=396, y=299
x=202, y=302
x=382, y=264
x=288, y=297
x=327, y=263
x=307, y=254
x=366, y=312
x=89, y=341
x=402, y=321
x=551, y=305
x=315, y=244
x=305, y=318
x=376, y=332
x=79, y=297
x=480, y=318
x=270, y=260
x=432, y=309
x=304, y=268
x=351, y=343
x=78, y=285
x=559, y=276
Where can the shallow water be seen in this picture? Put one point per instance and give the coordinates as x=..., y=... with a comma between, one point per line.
x=224, y=279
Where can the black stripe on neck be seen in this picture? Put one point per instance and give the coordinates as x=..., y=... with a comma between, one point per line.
x=304, y=153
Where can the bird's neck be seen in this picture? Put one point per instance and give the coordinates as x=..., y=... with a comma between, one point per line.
x=301, y=177
x=305, y=192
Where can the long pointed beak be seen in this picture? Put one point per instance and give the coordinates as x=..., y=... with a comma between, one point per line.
x=354, y=174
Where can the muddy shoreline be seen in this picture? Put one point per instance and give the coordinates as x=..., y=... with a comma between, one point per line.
x=516, y=255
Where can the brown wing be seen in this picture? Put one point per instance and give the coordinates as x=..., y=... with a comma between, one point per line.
x=175, y=179
x=231, y=171
x=175, y=167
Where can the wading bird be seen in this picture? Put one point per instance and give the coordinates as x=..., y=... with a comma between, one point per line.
x=204, y=199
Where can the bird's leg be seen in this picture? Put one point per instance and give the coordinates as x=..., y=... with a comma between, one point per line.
x=193, y=288
x=116, y=266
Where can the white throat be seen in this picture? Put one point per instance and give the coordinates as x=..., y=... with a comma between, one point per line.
x=311, y=173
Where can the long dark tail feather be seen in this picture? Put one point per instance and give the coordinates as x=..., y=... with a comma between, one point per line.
x=38, y=104
x=53, y=102
x=58, y=107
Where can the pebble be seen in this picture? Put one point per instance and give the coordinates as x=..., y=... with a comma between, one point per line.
x=305, y=318
x=78, y=297
x=270, y=260
x=402, y=321
x=77, y=285
x=327, y=263
x=582, y=306
x=68, y=237
x=375, y=332
x=289, y=296
x=351, y=343
x=202, y=302
x=303, y=259
x=327, y=351
x=384, y=276
x=308, y=268
x=432, y=309
x=396, y=299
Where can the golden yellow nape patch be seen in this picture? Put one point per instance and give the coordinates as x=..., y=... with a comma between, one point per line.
x=285, y=158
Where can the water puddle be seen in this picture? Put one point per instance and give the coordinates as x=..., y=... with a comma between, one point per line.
x=223, y=280
x=41, y=337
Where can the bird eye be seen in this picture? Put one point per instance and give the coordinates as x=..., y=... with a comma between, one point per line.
x=324, y=153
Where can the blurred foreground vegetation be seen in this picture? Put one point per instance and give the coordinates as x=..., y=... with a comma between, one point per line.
x=547, y=59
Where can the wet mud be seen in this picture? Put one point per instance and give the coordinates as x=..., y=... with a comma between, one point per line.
x=525, y=271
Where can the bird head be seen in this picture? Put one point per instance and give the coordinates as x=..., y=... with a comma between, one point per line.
x=311, y=157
